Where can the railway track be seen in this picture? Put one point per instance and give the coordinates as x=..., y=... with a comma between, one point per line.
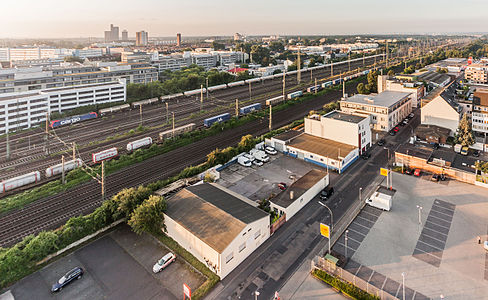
x=53, y=211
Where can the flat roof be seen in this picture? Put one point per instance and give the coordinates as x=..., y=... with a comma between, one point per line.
x=385, y=99
x=81, y=86
x=434, y=77
x=287, y=135
x=415, y=150
x=338, y=115
x=211, y=214
x=320, y=146
x=298, y=188
x=19, y=96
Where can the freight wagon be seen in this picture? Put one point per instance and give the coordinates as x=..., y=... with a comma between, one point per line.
x=139, y=144
x=216, y=119
x=145, y=102
x=336, y=81
x=326, y=84
x=13, y=183
x=68, y=166
x=104, y=155
x=250, y=108
x=236, y=83
x=314, y=88
x=274, y=100
x=172, y=96
x=252, y=80
x=295, y=95
x=73, y=119
x=114, y=109
x=195, y=92
x=178, y=131
x=217, y=87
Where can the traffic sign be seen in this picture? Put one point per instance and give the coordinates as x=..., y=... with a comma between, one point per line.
x=325, y=230
x=186, y=291
x=384, y=171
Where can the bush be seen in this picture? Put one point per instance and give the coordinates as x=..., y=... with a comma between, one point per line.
x=345, y=287
x=149, y=216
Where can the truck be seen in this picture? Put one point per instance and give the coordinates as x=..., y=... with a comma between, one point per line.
x=380, y=200
x=259, y=154
x=244, y=161
x=457, y=148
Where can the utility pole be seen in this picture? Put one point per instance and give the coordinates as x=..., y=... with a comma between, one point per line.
x=364, y=59
x=140, y=114
x=237, y=107
x=47, y=134
x=8, y=144
x=299, y=74
x=206, y=85
x=103, y=180
x=167, y=117
x=250, y=91
x=331, y=69
x=344, y=88
x=270, y=117
x=386, y=64
x=201, y=96
x=284, y=84
x=311, y=75
x=62, y=169
x=74, y=151
x=349, y=61
x=173, y=132
x=316, y=88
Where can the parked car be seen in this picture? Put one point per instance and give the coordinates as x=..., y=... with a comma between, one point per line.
x=257, y=162
x=435, y=146
x=485, y=245
x=442, y=177
x=326, y=193
x=391, y=132
x=435, y=177
x=69, y=277
x=164, y=262
x=408, y=171
x=282, y=186
x=411, y=115
x=405, y=122
x=416, y=172
x=365, y=155
x=464, y=150
x=476, y=153
x=270, y=150
x=396, y=129
x=381, y=142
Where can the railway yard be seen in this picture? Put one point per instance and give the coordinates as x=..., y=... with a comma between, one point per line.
x=55, y=210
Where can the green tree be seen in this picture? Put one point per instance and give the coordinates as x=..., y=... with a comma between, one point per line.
x=372, y=85
x=362, y=89
x=312, y=63
x=277, y=46
x=246, y=143
x=73, y=59
x=149, y=216
x=129, y=199
x=260, y=55
x=391, y=73
x=218, y=46
x=464, y=135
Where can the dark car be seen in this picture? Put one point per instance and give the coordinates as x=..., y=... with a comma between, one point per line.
x=282, y=186
x=381, y=142
x=396, y=129
x=69, y=277
x=326, y=193
x=435, y=177
x=365, y=155
x=442, y=177
x=391, y=132
x=435, y=146
x=476, y=153
x=408, y=171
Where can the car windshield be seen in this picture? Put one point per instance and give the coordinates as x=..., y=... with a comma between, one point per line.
x=62, y=280
x=161, y=262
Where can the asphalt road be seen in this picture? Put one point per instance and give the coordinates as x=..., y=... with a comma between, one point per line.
x=271, y=265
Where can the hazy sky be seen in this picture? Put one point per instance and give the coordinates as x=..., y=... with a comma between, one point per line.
x=69, y=18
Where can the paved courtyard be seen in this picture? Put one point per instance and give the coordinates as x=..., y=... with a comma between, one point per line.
x=439, y=256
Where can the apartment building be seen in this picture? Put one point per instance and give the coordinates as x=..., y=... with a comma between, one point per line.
x=417, y=89
x=39, y=78
x=142, y=38
x=30, y=53
x=479, y=115
x=88, y=52
x=386, y=109
x=21, y=110
x=477, y=73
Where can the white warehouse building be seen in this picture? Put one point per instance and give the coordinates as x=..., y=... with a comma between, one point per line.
x=217, y=226
x=27, y=109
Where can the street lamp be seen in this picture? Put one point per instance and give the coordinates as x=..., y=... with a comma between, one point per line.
x=331, y=222
x=403, y=284
x=360, y=192
x=420, y=211
x=345, y=239
x=256, y=294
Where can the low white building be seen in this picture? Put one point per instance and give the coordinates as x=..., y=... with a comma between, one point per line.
x=341, y=127
x=441, y=111
x=27, y=109
x=299, y=193
x=392, y=84
x=219, y=227
x=387, y=109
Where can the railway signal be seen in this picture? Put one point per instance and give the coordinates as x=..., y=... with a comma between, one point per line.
x=250, y=91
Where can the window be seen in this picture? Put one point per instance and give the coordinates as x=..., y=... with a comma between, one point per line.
x=229, y=257
x=257, y=234
x=242, y=247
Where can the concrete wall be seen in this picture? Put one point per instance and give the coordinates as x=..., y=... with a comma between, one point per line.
x=438, y=112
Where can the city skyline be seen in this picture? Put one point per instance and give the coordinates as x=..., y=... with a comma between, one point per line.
x=310, y=17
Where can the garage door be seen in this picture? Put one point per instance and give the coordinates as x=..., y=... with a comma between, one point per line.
x=280, y=147
x=300, y=155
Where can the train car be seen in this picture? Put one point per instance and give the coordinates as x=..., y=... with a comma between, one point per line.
x=145, y=102
x=366, y=72
x=73, y=119
x=279, y=75
x=295, y=95
x=144, y=142
x=291, y=72
x=336, y=81
x=216, y=119
x=217, y=87
x=194, y=92
x=68, y=166
x=236, y=83
x=326, y=84
x=172, y=96
x=274, y=100
x=105, y=155
x=13, y=183
x=314, y=88
x=252, y=80
x=250, y=108
x=113, y=109
x=267, y=77
x=178, y=131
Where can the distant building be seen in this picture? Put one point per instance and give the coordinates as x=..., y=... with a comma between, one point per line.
x=477, y=73
x=125, y=35
x=178, y=39
x=88, y=52
x=387, y=109
x=32, y=53
x=141, y=38
x=113, y=34
x=237, y=36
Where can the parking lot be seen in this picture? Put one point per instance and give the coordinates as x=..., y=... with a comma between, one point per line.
x=439, y=255
x=117, y=266
x=257, y=183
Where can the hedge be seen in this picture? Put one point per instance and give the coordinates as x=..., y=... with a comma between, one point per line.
x=345, y=287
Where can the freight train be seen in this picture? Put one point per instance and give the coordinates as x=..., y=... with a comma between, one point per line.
x=73, y=119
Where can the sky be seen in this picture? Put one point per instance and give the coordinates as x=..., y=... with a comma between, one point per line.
x=90, y=18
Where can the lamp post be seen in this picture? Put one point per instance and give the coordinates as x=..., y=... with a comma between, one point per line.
x=256, y=294
x=360, y=194
x=345, y=239
x=403, y=284
x=331, y=222
x=420, y=212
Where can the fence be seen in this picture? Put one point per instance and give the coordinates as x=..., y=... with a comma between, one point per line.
x=338, y=272
x=277, y=224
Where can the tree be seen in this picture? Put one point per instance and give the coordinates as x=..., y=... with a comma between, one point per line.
x=362, y=89
x=391, y=73
x=149, y=216
x=73, y=59
x=260, y=55
x=246, y=143
x=276, y=46
x=129, y=199
x=372, y=85
x=464, y=135
x=218, y=46
x=312, y=62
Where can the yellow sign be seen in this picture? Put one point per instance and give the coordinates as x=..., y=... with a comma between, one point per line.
x=324, y=230
x=384, y=172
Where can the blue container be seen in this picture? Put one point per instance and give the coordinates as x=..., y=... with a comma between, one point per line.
x=217, y=119
x=250, y=108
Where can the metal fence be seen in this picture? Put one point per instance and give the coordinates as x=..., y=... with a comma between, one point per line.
x=338, y=272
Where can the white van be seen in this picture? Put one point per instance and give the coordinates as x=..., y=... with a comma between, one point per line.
x=244, y=161
x=259, y=154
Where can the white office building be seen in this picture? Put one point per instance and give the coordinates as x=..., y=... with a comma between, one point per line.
x=392, y=84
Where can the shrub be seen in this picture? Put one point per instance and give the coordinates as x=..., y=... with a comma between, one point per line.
x=346, y=288
x=148, y=217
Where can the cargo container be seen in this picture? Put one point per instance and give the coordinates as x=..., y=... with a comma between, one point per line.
x=68, y=166
x=326, y=84
x=274, y=100
x=13, y=183
x=295, y=95
x=73, y=119
x=145, y=102
x=314, y=88
x=216, y=119
x=104, y=155
x=144, y=142
x=176, y=132
x=114, y=109
x=250, y=108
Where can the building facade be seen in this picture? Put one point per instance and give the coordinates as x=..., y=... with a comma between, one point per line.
x=391, y=84
x=441, y=112
x=178, y=39
x=477, y=73
x=112, y=35
x=142, y=38
x=479, y=115
x=387, y=109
